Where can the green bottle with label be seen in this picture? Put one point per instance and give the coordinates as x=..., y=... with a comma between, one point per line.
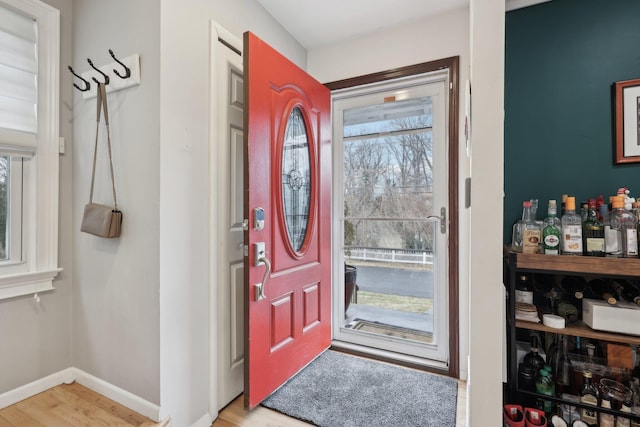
x=552, y=231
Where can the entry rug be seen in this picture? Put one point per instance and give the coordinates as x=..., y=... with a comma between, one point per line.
x=340, y=390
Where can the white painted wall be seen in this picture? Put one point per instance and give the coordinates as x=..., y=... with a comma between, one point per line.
x=185, y=135
x=439, y=37
x=484, y=397
x=34, y=337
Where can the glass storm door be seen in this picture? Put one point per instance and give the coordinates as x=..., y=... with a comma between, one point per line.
x=391, y=210
x=288, y=219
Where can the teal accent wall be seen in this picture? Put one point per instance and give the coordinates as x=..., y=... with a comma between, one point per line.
x=561, y=60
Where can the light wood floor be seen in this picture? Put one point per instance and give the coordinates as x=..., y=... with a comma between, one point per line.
x=73, y=405
x=235, y=415
x=70, y=405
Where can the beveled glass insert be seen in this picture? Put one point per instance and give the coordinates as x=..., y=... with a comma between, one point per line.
x=296, y=179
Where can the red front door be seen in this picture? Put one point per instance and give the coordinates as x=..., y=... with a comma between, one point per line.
x=287, y=203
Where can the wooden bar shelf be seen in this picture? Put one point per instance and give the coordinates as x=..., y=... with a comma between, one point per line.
x=571, y=264
x=579, y=329
x=559, y=265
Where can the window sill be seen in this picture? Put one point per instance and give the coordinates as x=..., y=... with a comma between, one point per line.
x=15, y=285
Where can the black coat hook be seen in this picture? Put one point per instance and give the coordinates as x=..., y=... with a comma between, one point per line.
x=127, y=71
x=106, y=78
x=87, y=85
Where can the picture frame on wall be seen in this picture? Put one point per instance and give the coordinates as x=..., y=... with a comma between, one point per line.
x=627, y=121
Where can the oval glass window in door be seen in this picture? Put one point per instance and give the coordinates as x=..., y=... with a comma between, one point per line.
x=296, y=179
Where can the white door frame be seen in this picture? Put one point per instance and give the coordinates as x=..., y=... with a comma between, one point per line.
x=225, y=53
x=434, y=84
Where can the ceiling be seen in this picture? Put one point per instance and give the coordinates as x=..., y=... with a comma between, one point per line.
x=317, y=23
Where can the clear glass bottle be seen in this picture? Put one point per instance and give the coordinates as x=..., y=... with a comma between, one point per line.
x=626, y=224
x=593, y=232
x=589, y=396
x=562, y=370
x=516, y=236
x=527, y=233
x=552, y=231
x=612, y=237
x=571, y=229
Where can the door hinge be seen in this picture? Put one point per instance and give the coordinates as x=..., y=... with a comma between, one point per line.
x=245, y=224
x=245, y=250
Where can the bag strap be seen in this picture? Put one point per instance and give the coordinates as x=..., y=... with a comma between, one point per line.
x=102, y=106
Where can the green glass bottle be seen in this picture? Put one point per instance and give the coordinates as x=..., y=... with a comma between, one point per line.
x=593, y=232
x=551, y=233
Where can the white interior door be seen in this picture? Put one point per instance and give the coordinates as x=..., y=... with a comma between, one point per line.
x=227, y=179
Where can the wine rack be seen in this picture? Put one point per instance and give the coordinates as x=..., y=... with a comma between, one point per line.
x=600, y=267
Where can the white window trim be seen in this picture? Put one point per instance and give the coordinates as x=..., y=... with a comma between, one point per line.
x=40, y=244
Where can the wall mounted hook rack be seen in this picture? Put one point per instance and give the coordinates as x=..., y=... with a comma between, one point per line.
x=131, y=66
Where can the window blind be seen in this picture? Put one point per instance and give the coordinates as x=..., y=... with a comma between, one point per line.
x=18, y=83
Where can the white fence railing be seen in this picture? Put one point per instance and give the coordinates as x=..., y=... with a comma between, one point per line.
x=409, y=256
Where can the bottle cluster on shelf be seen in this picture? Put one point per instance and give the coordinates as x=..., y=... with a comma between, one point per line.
x=563, y=295
x=597, y=229
x=573, y=368
x=582, y=373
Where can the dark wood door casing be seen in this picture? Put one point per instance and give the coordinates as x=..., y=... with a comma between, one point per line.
x=452, y=65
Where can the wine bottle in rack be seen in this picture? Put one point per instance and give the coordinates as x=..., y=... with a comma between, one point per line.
x=623, y=290
x=598, y=289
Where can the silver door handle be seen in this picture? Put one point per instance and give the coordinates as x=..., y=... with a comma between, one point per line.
x=260, y=295
x=442, y=218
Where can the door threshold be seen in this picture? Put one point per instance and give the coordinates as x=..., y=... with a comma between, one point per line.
x=391, y=357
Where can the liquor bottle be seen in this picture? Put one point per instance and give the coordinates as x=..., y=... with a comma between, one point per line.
x=562, y=370
x=563, y=205
x=589, y=396
x=571, y=229
x=533, y=358
x=546, y=385
x=524, y=291
x=623, y=290
x=531, y=230
x=518, y=228
x=551, y=233
x=627, y=225
x=606, y=420
x=584, y=211
x=612, y=238
x=593, y=232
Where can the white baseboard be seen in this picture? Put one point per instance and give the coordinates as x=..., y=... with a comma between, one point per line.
x=118, y=394
x=16, y=395
x=70, y=375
